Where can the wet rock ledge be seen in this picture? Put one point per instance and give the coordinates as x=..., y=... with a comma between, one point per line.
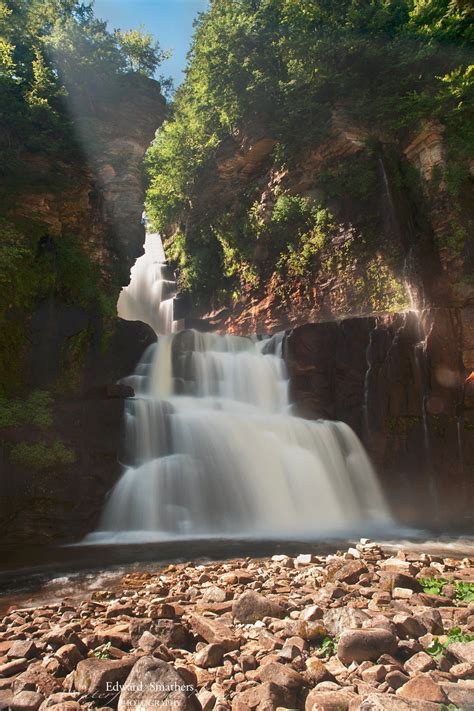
x=361, y=629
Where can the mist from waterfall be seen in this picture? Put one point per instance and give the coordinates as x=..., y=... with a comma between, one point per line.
x=212, y=449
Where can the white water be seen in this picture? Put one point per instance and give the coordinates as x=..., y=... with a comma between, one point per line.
x=211, y=446
x=214, y=451
x=149, y=296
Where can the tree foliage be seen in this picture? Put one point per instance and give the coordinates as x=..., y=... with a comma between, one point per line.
x=52, y=49
x=288, y=68
x=142, y=54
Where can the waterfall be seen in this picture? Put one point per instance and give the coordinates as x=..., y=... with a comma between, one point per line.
x=212, y=449
x=366, y=403
x=149, y=296
x=424, y=329
x=392, y=225
x=211, y=446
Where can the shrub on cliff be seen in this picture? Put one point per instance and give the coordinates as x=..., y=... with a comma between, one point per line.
x=35, y=410
x=34, y=266
x=42, y=455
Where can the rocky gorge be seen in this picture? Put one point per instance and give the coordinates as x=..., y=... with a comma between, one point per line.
x=362, y=628
x=72, y=349
x=303, y=374
x=350, y=233
x=378, y=337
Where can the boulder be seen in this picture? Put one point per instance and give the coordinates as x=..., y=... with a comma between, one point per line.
x=119, y=610
x=171, y=634
x=282, y=675
x=61, y=701
x=117, y=635
x=383, y=702
x=148, y=642
x=168, y=632
x=263, y=697
x=163, y=611
x=408, y=626
x=63, y=634
x=209, y=656
x=374, y=674
x=215, y=632
x=13, y=667
x=328, y=700
x=98, y=676
x=26, y=701
x=312, y=613
x=6, y=696
x=366, y=644
x=461, y=696
x=423, y=688
x=389, y=581
x=395, y=679
x=154, y=684
x=316, y=671
x=420, y=662
x=36, y=677
x=309, y=631
x=214, y=594
x=462, y=651
x=463, y=670
x=350, y=572
x=430, y=618
x=22, y=648
x=251, y=606
x=207, y=699
x=69, y=656
x=338, y=619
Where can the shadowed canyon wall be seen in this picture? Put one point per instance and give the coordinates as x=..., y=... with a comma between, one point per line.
x=60, y=458
x=398, y=380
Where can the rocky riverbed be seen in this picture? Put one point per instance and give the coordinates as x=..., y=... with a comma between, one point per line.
x=362, y=629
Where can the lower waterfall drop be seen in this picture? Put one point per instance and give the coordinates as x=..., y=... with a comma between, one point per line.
x=212, y=449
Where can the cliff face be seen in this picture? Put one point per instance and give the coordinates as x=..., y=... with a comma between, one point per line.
x=60, y=503
x=398, y=380
x=73, y=350
x=381, y=329
x=402, y=240
x=100, y=198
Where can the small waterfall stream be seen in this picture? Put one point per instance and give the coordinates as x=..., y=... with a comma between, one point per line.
x=392, y=225
x=212, y=448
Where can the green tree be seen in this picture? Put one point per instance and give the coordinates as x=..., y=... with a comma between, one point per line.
x=51, y=48
x=142, y=54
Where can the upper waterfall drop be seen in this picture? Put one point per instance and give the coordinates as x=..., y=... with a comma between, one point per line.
x=149, y=296
x=212, y=450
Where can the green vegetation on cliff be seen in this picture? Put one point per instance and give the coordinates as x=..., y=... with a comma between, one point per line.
x=34, y=266
x=42, y=455
x=57, y=62
x=53, y=52
x=294, y=72
x=35, y=414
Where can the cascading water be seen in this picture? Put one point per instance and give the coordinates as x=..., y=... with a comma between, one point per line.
x=211, y=446
x=213, y=450
x=149, y=296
